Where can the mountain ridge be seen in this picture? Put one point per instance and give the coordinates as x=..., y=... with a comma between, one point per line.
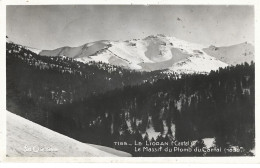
x=157, y=52
x=237, y=54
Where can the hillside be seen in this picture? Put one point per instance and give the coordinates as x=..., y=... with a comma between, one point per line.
x=189, y=108
x=25, y=138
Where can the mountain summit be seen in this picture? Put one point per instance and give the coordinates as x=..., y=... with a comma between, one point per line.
x=158, y=52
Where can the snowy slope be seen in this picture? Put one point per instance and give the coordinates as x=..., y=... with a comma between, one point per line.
x=154, y=52
x=232, y=55
x=197, y=64
x=85, y=50
x=151, y=53
x=25, y=138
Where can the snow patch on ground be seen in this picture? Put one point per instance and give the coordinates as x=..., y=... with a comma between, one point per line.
x=150, y=130
x=152, y=134
x=209, y=142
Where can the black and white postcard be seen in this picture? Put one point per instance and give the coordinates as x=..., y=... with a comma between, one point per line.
x=97, y=81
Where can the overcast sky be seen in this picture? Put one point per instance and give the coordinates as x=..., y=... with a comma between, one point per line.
x=50, y=27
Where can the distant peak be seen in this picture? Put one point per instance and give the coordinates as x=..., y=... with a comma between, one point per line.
x=246, y=43
x=155, y=36
x=149, y=37
x=161, y=35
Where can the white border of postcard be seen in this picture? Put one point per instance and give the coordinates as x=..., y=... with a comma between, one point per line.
x=3, y=3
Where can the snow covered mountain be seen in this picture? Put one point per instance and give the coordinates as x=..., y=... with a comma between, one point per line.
x=232, y=55
x=197, y=64
x=158, y=52
x=148, y=54
x=25, y=138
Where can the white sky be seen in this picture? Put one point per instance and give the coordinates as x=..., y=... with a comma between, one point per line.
x=50, y=27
